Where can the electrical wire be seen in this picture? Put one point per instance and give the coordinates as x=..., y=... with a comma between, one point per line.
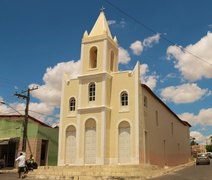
x=155, y=32
x=44, y=114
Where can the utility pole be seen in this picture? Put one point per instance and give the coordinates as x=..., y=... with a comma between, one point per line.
x=25, y=123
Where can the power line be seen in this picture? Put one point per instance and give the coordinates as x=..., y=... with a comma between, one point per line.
x=155, y=32
x=43, y=114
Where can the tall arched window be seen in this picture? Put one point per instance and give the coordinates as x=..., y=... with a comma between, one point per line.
x=93, y=57
x=92, y=91
x=112, y=61
x=72, y=104
x=124, y=98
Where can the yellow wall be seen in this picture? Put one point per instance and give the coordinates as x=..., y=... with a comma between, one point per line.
x=146, y=138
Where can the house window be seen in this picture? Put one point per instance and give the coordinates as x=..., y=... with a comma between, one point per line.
x=92, y=91
x=172, y=128
x=156, y=118
x=93, y=57
x=145, y=102
x=72, y=103
x=124, y=99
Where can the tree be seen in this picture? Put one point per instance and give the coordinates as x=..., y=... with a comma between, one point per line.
x=192, y=141
x=209, y=148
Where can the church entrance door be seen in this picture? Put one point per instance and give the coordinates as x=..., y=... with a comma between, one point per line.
x=124, y=143
x=90, y=142
x=71, y=145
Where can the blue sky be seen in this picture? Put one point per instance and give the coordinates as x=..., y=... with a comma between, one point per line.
x=41, y=39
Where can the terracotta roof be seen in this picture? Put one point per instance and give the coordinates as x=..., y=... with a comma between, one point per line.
x=154, y=95
x=22, y=116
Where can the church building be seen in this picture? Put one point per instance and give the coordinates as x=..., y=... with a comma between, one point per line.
x=108, y=117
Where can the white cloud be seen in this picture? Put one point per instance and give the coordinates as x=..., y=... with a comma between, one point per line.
x=149, y=80
x=199, y=138
x=186, y=93
x=122, y=23
x=12, y=109
x=137, y=47
x=148, y=42
x=204, y=117
x=50, y=92
x=110, y=22
x=191, y=67
x=41, y=111
x=119, y=24
x=124, y=56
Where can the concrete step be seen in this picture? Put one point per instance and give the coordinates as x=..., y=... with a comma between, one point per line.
x=95, y=172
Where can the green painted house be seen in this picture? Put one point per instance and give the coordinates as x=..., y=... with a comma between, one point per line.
x=42, y=140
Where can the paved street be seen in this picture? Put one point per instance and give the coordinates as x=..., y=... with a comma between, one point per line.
x=10, y=176
x=194, y=172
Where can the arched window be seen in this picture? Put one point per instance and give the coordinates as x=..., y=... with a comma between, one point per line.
x=93, y=57
x=72, y=104
x=112, y=61
x=92, y=91
x=124, y=98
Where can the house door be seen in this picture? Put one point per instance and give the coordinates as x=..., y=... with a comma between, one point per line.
x=43, y=155
x=90, y=142
x=124, y=143
x=71, y=145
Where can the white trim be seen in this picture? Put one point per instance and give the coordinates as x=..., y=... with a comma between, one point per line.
x=95, y=108
x=82, y=58
x=104, y=91
x=105, y=62
x=78, y=132
x=137, y=85
x=79, y=94
x=103, y=138
x=61, y=138
x=93, y=76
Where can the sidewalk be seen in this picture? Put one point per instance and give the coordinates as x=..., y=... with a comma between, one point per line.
x=8, y=170
x=168, y=170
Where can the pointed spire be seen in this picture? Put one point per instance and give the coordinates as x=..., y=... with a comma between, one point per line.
x=115, y=40
x=101, y=26
x=85, y=34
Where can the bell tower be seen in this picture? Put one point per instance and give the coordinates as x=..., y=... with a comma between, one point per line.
x=99, y=60
x=99, y=51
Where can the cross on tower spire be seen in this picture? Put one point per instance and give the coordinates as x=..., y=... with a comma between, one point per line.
x=102, y=9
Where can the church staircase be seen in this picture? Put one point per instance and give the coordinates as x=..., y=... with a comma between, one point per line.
x=99, y=172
